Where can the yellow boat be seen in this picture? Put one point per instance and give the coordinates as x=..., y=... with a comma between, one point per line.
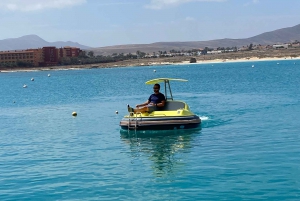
x=174, y=115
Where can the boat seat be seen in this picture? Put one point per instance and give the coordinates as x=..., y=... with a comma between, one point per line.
x=173, y=105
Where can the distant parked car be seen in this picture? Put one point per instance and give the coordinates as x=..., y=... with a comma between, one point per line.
x=193, y=60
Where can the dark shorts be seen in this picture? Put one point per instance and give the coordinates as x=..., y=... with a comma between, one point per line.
x=152, y=108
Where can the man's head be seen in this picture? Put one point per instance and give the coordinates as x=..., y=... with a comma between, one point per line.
x=156, y=88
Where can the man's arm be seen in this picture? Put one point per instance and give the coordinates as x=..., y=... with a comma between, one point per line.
x=161, y=104
x=143, y=104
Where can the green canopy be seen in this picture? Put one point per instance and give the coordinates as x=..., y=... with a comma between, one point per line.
x=158, y=80
x=166, y=82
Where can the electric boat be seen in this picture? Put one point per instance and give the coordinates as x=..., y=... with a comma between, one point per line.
x=174, y=115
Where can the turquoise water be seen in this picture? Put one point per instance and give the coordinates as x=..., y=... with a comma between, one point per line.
x=248, y=147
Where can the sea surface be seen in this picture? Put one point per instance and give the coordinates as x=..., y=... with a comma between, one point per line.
x=248, y=147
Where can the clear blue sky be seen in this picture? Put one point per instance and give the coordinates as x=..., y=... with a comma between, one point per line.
x=99, y=23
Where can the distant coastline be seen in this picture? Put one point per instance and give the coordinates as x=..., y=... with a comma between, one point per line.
x=142, y=63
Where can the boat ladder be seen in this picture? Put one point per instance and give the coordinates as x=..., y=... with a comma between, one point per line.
x=133, y=122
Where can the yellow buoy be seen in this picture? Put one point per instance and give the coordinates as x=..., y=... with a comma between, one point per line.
x=74, y=114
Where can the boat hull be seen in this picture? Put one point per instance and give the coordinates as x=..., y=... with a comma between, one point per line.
x=160, y=123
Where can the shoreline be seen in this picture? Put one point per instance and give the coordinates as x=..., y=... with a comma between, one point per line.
x=253, y=59
x=143, y=64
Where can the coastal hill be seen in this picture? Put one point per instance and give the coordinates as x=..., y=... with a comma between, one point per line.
x=284, y=35
x=34, y=41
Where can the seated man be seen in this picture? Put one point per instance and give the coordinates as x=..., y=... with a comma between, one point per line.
x=155, y=101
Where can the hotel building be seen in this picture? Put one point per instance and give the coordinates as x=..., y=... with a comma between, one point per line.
x=46, y=56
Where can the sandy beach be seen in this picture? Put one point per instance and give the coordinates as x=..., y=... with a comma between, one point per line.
x=254, y=59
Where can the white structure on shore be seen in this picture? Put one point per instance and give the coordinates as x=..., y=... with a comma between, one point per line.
x=214, y=52
x=282, y=46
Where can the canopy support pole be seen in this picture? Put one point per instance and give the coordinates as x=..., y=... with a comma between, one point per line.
x=166, y=90
x=170, y=89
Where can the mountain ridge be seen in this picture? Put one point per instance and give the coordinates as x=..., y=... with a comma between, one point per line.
x=283, y=35
x=34, y=41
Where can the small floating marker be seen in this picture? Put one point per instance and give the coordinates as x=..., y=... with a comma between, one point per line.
x=32, y=79
x=212, y=65
x=49, y=75
x=24, y=86
x=154, y=71
x=74, y=114
x=277, y=63
x=117, y=112
x=252, y=66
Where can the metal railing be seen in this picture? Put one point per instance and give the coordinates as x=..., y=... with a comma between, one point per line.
x=134, y=119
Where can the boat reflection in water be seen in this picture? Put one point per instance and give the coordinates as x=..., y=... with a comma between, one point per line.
x=166, y=149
